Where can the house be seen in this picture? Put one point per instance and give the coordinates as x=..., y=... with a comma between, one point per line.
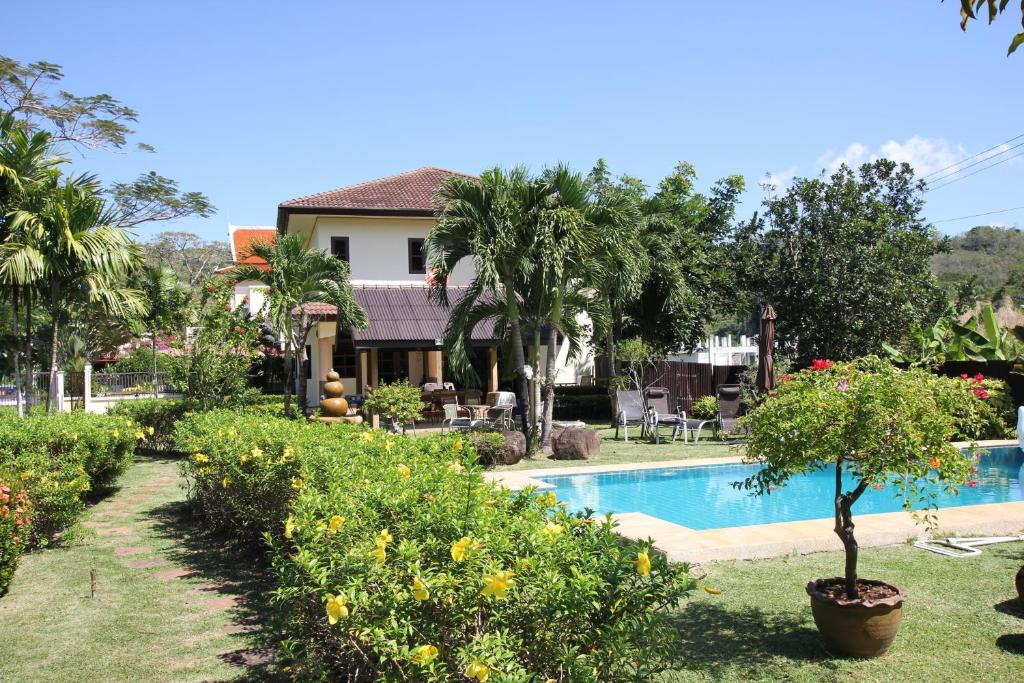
x=379, y=228
x=251, y=293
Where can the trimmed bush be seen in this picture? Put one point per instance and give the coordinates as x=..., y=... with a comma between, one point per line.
x=60, y=458
x=705, y=408
x=155, y=417
x=396, y=560
x=15, y=526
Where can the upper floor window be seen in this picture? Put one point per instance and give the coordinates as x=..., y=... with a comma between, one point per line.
x=417, y=259
x=339, y=248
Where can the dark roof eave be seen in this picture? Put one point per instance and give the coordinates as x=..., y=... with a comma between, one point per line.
x=284, y=211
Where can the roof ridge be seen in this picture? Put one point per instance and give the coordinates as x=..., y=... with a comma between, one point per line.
x=393, y=176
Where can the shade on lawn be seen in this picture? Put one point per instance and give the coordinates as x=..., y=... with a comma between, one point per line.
x=765, y=344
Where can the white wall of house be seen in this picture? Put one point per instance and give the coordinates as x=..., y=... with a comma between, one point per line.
x=256, y=292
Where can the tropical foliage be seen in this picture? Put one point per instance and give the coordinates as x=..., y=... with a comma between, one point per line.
x=969, y=10
x=385, y=548
x=876, y=425
x=977, y=339
x=397, y=403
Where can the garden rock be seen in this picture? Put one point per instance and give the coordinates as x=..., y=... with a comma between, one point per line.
x=575, y=443
x=515, y=447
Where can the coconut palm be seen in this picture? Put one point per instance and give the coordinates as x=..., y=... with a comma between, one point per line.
x=297, y=276
x=72, y=241
x=167, y=300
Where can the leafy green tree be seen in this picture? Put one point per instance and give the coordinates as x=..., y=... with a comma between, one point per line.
x=79, y=253
x=845, y=261
x=167, y=305
x=297, y=276
x=970, y=8
x=192, y=258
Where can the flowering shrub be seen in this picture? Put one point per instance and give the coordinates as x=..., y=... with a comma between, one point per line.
x=396, y=403
x=992, y=413
x=155, y=417
x=59, y=458
x=882, y=425
x=15, y=525
x=395, y=559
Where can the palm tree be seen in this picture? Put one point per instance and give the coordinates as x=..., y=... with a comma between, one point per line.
x=297, y=276
x=75, y=245
x=27, y=161
x=167, y=300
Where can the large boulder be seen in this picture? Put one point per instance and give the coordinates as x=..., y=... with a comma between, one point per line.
x=575, y=443
x=515, y=447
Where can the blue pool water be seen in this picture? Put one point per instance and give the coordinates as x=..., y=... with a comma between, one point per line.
x=703, y=497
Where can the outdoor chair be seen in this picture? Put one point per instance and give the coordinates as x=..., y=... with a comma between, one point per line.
x=697, y=425
x=430, y=387
x=730, y=406
x=660, y=415
x=499, y=417
x=449, y=386
x=632, y=411
x=453, y=418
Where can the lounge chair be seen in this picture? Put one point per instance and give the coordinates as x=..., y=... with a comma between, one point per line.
x=660, y=415
x=632, y=411
x=730, y=407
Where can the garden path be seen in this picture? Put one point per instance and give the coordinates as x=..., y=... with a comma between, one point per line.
x=169, y=605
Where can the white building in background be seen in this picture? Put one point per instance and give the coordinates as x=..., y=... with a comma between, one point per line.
x=241, y=238
x=722, y=351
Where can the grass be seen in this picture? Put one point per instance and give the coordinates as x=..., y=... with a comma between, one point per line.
x=636, y=450
x=140, y=626
x=961, y=620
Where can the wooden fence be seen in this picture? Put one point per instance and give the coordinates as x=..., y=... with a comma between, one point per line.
x=686, y=382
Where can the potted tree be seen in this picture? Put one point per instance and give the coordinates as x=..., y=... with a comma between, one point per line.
x=877, y=426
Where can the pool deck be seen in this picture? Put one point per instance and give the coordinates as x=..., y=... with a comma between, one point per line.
x=682, y=544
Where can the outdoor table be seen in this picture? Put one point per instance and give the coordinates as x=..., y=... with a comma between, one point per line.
x=477, y=410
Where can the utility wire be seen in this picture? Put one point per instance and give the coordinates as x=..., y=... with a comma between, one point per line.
x=983, y=168
x=985, y=151
x=979, y=161
x=978, y=215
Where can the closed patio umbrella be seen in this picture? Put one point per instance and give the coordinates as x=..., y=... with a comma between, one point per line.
x=765, y=344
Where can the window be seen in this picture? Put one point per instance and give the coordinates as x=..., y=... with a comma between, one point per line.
x=309, y=362
x=417, y=259
x=339, y=248
x=344, y=359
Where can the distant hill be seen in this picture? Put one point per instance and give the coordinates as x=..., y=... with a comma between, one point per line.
x=986, y=262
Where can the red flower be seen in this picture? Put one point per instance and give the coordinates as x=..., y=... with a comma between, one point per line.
x=964, y=376
x=227, y=308
x=981, y=393
x=773, y=393
x=241, y=331
x=979, y=377
x=785, y=378
x=878, y=486
x=820, y=364
x=934, y=463
x=972, y=483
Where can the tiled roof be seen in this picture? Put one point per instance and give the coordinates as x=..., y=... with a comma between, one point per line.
x=409, y=192
x=242, y=239
x=402, y=314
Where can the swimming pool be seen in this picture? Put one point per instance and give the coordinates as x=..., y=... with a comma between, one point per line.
x=702, y=497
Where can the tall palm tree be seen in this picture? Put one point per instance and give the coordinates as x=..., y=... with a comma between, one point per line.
x=167, y=301
x=74, y=241
x=27, y=163
x=298, y=276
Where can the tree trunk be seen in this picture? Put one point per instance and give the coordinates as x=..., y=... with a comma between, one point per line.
x=156, y=394
x=519, y=359
x=54, y=313
x=844, y=528
x=17, y=355
x=609, y=351
x=288, y=377
x=550, y=375
x=534, y=439
x=303, y=384
x=30, y=384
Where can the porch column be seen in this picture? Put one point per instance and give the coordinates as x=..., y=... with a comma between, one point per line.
x=436, y=366
x=375, y=420
x=361, y=371
x=492, y=365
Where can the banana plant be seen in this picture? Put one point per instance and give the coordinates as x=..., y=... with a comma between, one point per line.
x=979, y=339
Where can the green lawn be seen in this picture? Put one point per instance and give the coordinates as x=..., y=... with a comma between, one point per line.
x=618, y=451
x=144, y=624
x=962, y=620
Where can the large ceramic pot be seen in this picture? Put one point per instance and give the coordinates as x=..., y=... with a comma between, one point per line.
x=862, y=628
x=1020, y=585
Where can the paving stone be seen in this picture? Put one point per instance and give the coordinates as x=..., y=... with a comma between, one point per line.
x=145, y=564
x=176, y=573
x=226, y=602
x=253, y=656
x=132, y=550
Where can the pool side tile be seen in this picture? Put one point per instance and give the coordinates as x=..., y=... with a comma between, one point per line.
x=625, y=467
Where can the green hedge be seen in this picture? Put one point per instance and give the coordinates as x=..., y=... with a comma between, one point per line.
x=56, y=461
x=396, y=560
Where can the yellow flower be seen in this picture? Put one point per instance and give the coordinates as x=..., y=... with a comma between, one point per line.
x=712, y=591
x=424, y=654
x=287, y=455
x=26, y=474
x=498, y=584
x=336, y=607
x=336, y=522
x=199, y=457
x=385, y=536
x=459, y=548
x=419, y=589
x=553, y=529
x=404, y=470
x=458, y=444
x=225, y=482
x=289, y=527
x=523, y=563
x=379, y=551
x=388, y=446
x=220, y=434
x=478, y=670
x=546, y=500
x=456, y=467
x=139, y=435
x=115, y=433
x=643, y=563
x=297, y=484
x=232, y=432
x=149, y=430
x=202, y=470
x=243, y=458
x=367, y=436
x=550, y=680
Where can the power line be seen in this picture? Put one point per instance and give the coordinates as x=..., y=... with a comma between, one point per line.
x=984, y=151
x=979, y=161
x=978, y=215
x=983, y=168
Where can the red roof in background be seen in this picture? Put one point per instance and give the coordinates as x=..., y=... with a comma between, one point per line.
x=242, y=240
x=410, y=192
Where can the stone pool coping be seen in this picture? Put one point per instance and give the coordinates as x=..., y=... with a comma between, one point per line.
x=760, y=541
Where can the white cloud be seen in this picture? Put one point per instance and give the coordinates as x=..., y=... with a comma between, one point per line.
x=926, y=155
x=778, y=180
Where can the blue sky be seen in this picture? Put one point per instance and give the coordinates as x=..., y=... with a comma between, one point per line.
x=254, y=103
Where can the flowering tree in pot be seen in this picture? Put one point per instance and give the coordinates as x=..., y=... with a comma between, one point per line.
x=876, y=426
